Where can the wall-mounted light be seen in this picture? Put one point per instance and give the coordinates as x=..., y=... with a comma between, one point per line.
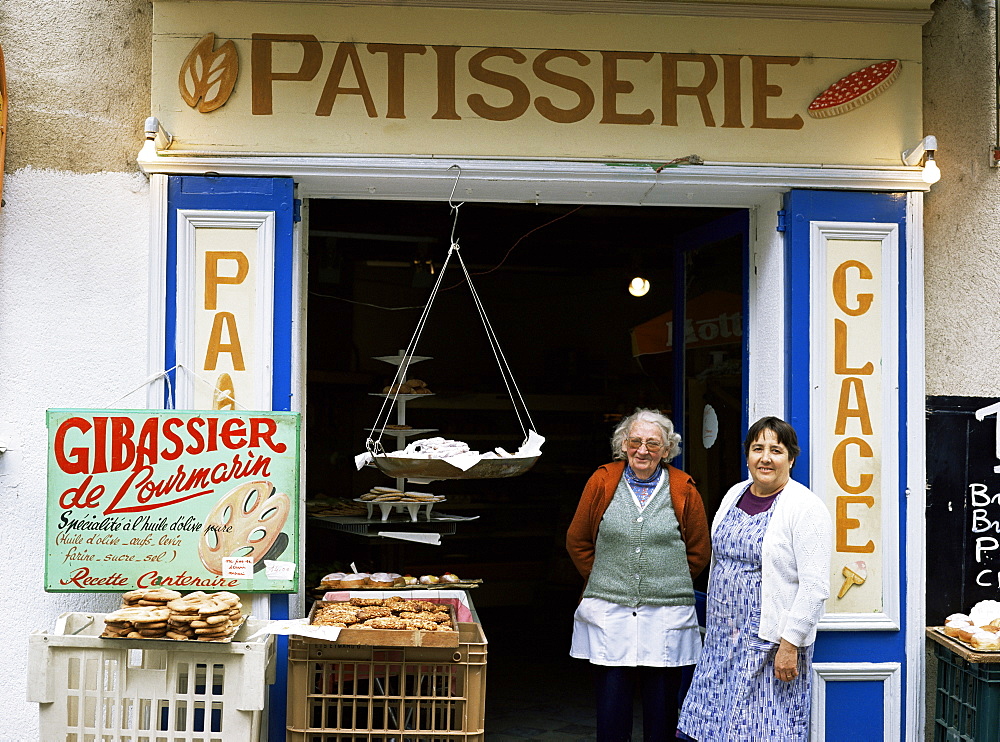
x=923, y=153
x=638, y=286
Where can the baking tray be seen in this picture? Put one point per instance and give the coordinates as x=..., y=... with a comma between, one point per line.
x=393, y=637
x=963, y=650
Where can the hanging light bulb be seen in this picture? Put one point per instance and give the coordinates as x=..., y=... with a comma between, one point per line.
x=638, y=286
x=932, y=173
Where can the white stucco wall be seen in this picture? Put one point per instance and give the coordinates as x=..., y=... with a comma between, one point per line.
x=73, y=328
x=962, y=224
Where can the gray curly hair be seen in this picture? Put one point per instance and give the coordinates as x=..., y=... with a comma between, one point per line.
x=671, y=440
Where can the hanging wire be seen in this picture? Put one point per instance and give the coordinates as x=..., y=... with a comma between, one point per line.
x=453, y=205
x=505, y=372
x=374, y=445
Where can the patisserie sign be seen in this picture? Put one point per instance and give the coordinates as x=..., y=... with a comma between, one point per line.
x=327, y=78
x=188, y=500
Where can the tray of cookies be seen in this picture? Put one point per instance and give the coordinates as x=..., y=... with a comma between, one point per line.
x=162, y=614
x=393, y=621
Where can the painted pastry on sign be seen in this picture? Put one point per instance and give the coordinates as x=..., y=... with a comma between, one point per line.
x=246, y=522
x=854, y=90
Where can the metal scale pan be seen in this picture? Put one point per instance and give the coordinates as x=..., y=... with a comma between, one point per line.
x=431, y=469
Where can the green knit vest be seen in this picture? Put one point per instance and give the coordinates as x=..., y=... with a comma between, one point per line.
x=640, y=557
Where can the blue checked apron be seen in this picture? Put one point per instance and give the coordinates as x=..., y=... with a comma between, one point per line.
x=734, y=696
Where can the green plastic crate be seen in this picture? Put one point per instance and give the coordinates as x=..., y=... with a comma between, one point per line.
x=967, y=706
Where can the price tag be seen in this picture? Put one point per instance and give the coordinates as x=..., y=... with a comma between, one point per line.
x=237, y=568
x=279, y=570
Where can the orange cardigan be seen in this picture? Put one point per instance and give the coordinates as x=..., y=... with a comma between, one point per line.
x=597, y=494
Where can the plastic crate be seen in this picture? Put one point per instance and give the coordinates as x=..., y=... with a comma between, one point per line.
x=967, y=707
x=91, y=689
x=381, y=694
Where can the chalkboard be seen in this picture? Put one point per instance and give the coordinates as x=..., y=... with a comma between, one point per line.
x=963, y=504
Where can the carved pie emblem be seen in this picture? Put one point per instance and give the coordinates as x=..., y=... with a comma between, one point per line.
x=208, y=75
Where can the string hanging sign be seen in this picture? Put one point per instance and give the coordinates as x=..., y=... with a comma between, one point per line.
x=437, y=458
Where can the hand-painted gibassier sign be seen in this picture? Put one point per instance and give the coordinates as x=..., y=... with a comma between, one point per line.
x=182, y=499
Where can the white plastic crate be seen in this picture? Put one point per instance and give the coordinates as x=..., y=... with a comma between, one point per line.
x=91, y=689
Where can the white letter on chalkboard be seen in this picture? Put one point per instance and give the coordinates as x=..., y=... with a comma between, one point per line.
x=981, y=547
x=978, y=493
x=986, y=412
x=981, y=523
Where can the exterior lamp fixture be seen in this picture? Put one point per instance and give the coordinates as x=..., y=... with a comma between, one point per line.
x=638, y=286
x=923, y=153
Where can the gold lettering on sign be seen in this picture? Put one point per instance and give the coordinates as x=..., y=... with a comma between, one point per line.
x=224, y=323
x=763, y=89
x=505, y=84
x=615, y=86
x=845, y=524
x=671, y=88
x=545, y=106
x=346, y=52
x=520, y=97
x=262, y=73
x=396, y=60
x=445, y=56
x=854, y=461
x=213, y=277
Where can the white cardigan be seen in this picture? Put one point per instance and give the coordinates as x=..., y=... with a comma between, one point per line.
x=795, y=580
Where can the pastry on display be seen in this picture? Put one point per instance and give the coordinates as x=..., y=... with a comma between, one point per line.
x=979, y=628
x=413, y=386
x=328, y=507
x=389, y=494
x=332, y=581
x=358, y=579
x=385, y=613
x=392, y=581
x=197, y=616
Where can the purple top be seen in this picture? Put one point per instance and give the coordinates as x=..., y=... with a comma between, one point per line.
x=751, y=504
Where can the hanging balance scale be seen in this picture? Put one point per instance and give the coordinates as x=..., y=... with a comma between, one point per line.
x=422, y=462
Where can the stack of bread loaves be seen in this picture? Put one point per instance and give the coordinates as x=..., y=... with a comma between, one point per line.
x=167, y=614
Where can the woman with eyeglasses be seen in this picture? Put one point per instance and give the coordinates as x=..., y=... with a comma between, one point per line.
x=771, y=541
x=639, y=537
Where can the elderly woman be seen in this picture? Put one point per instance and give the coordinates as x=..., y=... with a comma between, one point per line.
x=638, y=538
x=770, y=577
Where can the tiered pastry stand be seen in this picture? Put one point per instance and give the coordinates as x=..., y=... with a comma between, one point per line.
x=401, y=400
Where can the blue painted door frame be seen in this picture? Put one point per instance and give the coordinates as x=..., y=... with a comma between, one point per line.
x=277, y=195
x=863, y=721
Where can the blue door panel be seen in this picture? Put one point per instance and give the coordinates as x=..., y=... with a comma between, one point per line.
x=207, y=193
x=855, y=711
x=801, y=208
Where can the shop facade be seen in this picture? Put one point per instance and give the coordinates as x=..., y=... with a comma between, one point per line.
x=793, y=118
